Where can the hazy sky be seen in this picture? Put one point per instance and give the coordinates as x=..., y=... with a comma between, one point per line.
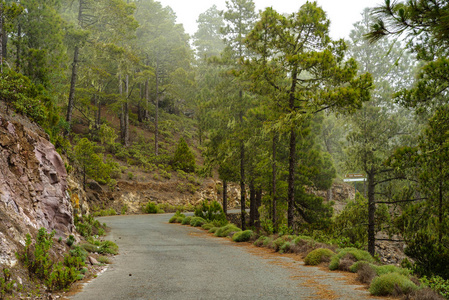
x=342, y=13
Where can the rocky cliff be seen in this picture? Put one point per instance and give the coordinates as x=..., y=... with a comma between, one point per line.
x=33, y=186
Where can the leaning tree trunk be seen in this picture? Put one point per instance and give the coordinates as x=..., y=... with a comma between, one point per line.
x=371, y=213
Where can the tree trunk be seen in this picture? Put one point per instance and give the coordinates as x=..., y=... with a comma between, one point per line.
x=98, y=115
x=258, y=204
x=126, y=117
x=273, y=184
x=72, y=86
x=225, y=197
x=147, y=100
x=371, y=213
x=156, y=118
x=74, y=70
x=242, y=185
x=252, y=203
x=242, y=172
x=18, y=49
x=292, y=157
x=291, y=178
x=122, y=112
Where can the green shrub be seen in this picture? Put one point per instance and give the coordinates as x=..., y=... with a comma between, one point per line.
x=315, y=257
x=61, y=277
x=356, y=254
x=177, y=217
x=280, y=241
x=184, y=159
x=70, y=240
x=242, y=236
x=6, y=284
x=103, y=259
x=214, y=229
x=437, y=284
x=197, y=222
x=211, y=211
x=226, y=230
x=79, y=251
x=38, y=260
x=207, y=226
x=186, y=221
x=151, y=208
x=285, y=247
x=260, y=241
x=108, y=247
x=391, y=284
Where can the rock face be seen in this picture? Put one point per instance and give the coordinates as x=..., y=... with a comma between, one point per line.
x=33, y=186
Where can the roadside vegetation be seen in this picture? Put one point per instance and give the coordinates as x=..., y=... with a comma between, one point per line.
x=380, y=279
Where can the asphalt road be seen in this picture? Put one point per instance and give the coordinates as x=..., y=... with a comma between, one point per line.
x=159, y=260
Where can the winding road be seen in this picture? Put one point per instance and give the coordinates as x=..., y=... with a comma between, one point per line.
x=159, y=260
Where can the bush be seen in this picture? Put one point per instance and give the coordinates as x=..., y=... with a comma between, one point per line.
x=285, y=247
x=226, y=230
x=70, y=240
x=280, y=241
x=184, y=159
x=61, y=277
x=380, y=270
x=207, y=226
x=260, y=241
x=186, y=221
x=103, y=260
x=315, y=257
x=391, y=284
x=242, y=236
x=211, y=211
x=177, y=217
x=214, y=229
x=79, y=252
x=365, y=273
x=6, y=284
x=197, y=221
x=353, y=253
x=151, y=208
x=438, y=284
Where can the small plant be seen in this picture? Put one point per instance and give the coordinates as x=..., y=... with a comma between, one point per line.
x=178, y=217
x=352, y=254
x=151, y=208
x=130, y=175
x=197, y=222
x=103, y=259
x=226, y=230
x=211, y=211
x=70, y=240
x=207, y=226
x=315, y=257
x=436, y=283
x=242, y=236
x=124, y=209
x=391, y=284
x=186, y=221
x=6, y=284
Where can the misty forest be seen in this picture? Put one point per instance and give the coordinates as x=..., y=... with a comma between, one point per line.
x=263, y=103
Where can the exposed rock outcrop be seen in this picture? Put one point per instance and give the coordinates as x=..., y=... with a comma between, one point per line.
x=33, y=187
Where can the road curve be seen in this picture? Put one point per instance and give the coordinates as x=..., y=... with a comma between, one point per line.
x=159, y=260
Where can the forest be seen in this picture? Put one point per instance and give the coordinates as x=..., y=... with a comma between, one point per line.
x=264, y=100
